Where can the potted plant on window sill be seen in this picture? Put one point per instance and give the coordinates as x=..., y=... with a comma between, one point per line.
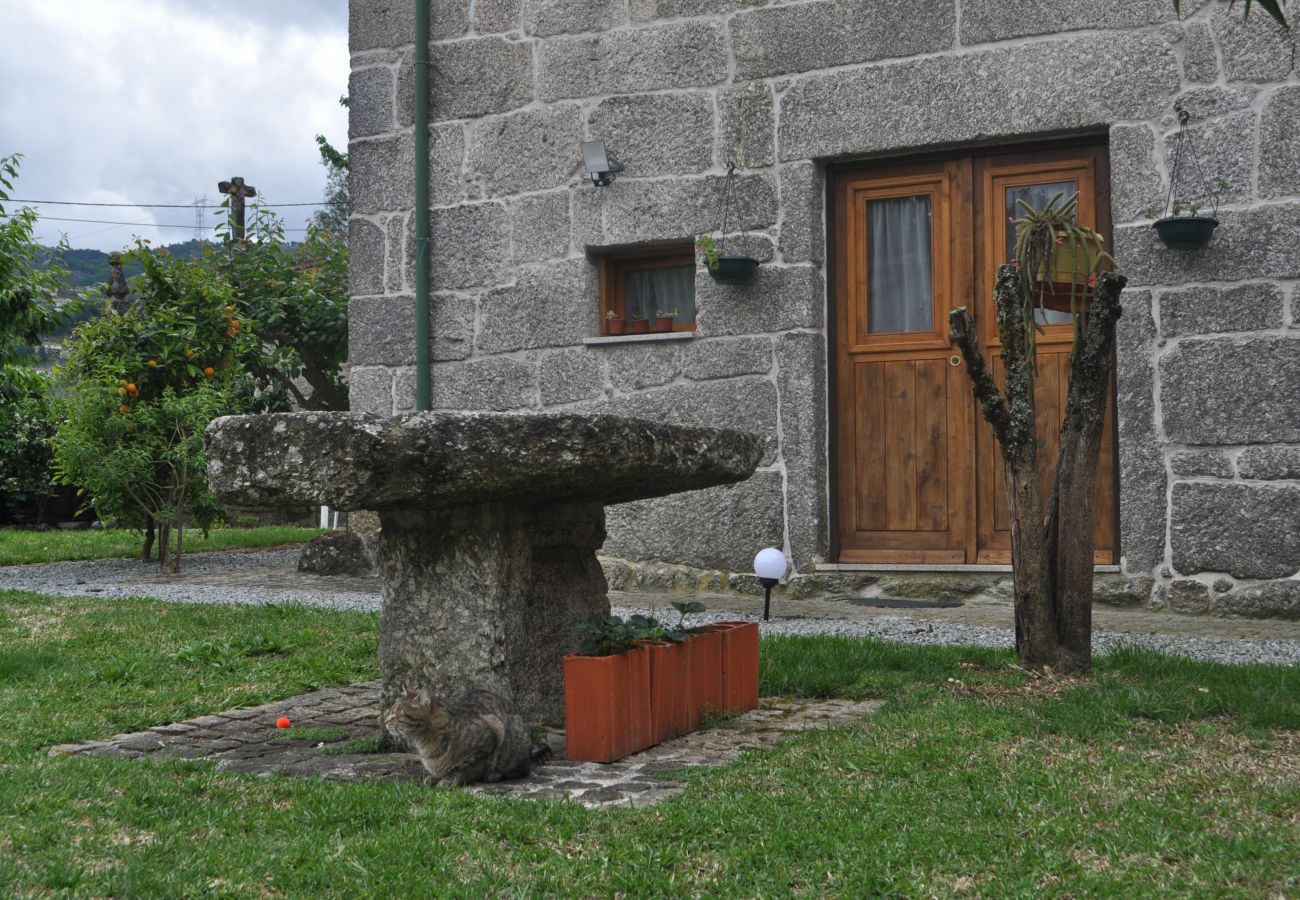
x=1058, y=258
x=663, y=321
x=613, y=324
x=722, y=268
x=638, y=324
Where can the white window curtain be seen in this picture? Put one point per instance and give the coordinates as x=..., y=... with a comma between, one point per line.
x=900, y=289
x=648, y=291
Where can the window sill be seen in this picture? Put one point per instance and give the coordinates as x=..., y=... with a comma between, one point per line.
x=639, y=338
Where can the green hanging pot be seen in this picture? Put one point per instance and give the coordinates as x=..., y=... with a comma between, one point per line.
x=734, y=269
x=1185, y=232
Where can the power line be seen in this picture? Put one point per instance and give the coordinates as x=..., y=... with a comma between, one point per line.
x=158, y=205
x=132, y=224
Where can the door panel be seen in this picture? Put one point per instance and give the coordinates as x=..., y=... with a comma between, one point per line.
x=901, y=451
x=1036, y=178
x=917, y=475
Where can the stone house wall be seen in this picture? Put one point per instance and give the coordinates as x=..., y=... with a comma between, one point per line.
x=1209, y=346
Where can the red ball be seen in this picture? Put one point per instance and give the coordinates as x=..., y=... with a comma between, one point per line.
x=282, y=722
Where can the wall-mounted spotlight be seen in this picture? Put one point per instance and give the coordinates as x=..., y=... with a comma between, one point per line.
x=600, y=166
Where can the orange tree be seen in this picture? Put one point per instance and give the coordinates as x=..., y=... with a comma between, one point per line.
x=142, y=386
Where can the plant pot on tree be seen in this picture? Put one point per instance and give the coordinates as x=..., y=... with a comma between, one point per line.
x=1056, y=258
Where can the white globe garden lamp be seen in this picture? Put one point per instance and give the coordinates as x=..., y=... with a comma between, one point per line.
x=770, y=567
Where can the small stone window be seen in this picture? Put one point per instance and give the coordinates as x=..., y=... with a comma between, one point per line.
x=636, y=289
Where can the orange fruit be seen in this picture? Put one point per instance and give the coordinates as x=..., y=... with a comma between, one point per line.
x=122, y=391
x=209, y=372
x=124, y=409
x=189, y=353
x=132, y=389
x=230, y=309
x=154, y=363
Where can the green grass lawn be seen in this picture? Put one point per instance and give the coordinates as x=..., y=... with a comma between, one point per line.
x=19, y=547
x=1159, y=776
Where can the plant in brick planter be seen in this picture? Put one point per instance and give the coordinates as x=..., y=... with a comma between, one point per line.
x=606, y=692
x=638, y=683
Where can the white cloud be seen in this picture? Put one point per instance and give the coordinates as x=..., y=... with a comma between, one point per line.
x=147, y=101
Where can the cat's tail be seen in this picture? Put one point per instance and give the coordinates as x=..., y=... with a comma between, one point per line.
x=541, y=753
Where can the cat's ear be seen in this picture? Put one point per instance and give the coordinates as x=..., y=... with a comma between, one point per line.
x=425, y=699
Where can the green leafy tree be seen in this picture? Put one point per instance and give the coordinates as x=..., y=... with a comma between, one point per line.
x=295, y=296
x=143, y=385
x=26, y=425
x=29, y=282
x=333, y=216
x=1275, y=8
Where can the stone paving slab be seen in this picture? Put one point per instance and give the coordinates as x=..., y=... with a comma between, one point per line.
x=246, y=740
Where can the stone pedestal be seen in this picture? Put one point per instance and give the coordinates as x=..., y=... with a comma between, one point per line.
x=490, y=524
x=487, y=596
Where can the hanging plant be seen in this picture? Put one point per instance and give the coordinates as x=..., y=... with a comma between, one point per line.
x=1058, y=260
x=1183, y=227
x=724, y=268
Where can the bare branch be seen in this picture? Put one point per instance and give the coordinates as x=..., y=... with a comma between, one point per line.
x=961, y=330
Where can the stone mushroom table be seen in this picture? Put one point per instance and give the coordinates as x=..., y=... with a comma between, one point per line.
x=490, y=524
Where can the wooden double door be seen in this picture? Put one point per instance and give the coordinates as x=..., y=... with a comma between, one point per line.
x=918, y=476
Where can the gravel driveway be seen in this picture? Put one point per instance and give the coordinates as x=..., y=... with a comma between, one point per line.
x=270, y=576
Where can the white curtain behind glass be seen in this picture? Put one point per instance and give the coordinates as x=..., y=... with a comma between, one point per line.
x=899, y=287
x=648, y=291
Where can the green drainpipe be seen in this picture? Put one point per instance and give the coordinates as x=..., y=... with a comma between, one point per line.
x=422, y=246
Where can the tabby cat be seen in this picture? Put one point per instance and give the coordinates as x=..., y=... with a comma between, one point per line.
x=476, y=737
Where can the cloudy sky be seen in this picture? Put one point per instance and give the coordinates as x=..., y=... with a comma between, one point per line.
x=155, y=101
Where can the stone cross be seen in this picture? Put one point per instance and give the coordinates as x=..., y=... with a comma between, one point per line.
x=490, y=524
x=117, y=288
x=238, y=191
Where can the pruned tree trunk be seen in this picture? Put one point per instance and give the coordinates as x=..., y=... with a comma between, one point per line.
x=1052, y=542
x=147, y=552
x=164, y=536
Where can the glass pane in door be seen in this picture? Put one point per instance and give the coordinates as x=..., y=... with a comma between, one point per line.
x=899, y=266
x=1037, y=196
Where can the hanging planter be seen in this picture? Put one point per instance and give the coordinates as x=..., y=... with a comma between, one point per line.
x=726, y=268
x=733, y=269
x=1185, y=232
x=1183, y=227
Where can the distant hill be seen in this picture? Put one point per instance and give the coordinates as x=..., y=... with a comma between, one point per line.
x=90, y=267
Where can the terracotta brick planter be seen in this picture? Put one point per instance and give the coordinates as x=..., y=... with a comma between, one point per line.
x=670, y=691
x=739, y=666
x=706, y=672
x=607, y=705
x=620, y=704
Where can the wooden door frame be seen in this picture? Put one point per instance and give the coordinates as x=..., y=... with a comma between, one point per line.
x=835, y=173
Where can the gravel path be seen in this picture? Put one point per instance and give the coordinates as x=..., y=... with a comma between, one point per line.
x=268, y=576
